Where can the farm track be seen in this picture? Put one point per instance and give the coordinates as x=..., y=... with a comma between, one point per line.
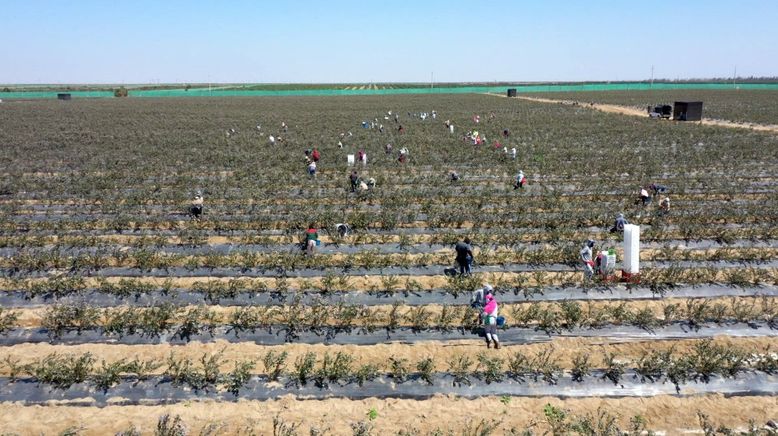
x=635, y=112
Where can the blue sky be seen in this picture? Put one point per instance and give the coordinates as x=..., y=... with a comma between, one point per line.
x=141, y=41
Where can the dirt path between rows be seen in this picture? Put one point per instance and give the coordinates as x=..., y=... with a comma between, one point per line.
x=635, y=112
x=671, y=415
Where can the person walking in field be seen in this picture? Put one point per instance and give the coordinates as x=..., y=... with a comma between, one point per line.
x=311, y=239
x=586, y=258
x=315, y=155
x=490, y=321
x=464, y=256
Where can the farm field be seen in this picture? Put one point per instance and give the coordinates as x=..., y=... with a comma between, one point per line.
x=119, y=311
x=746, y=106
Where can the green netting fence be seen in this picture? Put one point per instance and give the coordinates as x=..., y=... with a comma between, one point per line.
x=205, y=92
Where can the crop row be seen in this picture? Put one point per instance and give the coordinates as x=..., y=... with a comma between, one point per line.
x=702, y=361
x=27, y=262
x=330, y=319
x=658, y=280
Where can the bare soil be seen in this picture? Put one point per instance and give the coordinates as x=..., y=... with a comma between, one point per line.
x=669, y=414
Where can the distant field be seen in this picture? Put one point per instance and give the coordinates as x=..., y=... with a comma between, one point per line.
x=758, y=106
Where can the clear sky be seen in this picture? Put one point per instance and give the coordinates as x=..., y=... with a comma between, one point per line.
x=142, y=41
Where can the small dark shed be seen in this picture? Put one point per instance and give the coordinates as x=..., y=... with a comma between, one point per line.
x=687, y=111
x=512, y=92
x=63, y=96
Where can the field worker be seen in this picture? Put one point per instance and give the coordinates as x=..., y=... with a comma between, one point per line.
x=454, y=176
x=658, y=189
x=283, y=126
x=644, y=197
x=490, y=321
x=371, y=183
x=513, y=153
x=388, y=148
x=478, y=297
x=434, y=115
x=340, y=144
x=450, y=128
x=464, y=256
x=311, y=237
x=396, y=119
x=506, y=133
x=521, y=180
x=586, y=258
x=343, y=229
x=353, y=180
x=477, y=118
x=315, y=154
x=271, y=140
x=362, y=157
x=618, y=225
x=400, y=130
x=196, y=208
x=259, y=127
x=447, y=123
x=362, y=186
x=403, y=155
x=664, y=205
x=312, y=169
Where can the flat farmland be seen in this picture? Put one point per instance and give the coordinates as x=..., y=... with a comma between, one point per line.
x=118, y=308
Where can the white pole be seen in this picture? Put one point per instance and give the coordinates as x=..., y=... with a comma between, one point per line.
x=631, y=249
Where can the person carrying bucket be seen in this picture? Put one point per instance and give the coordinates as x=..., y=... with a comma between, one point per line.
x=490, y=321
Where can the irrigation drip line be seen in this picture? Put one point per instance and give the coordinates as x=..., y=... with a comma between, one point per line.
x=280, y=335
x=159, y=390
x=182, y=296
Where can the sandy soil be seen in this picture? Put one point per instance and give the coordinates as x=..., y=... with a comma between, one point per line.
x=626, y=110
x=670, y=414
x=564, y=350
